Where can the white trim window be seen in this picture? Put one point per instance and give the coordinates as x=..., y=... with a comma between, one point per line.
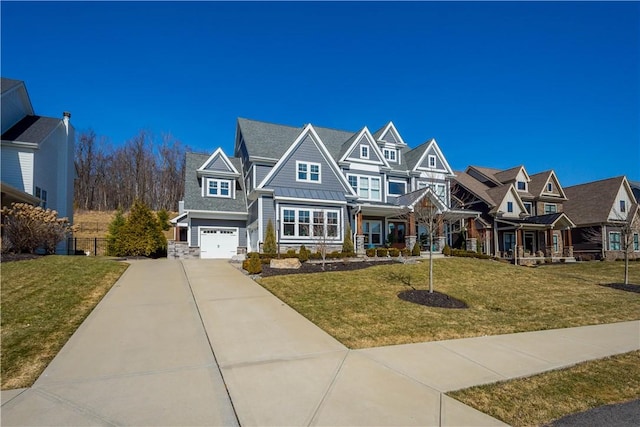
x=296, y=223
x=390, y=154
x=509, y=206
x=372, y=231
x=528, y=206
x=367, y=187
x=397, y=188
x=636, y=242
x=431, y=161
x=364, y=151
x=614, y=240
x=550, y=208
x=522, y=186
x=549, y=187
x=218, y=188
x=556, y=245
x=308, y=172
x=623, y=206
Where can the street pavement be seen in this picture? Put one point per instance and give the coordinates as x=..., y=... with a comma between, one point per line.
x=197, y=342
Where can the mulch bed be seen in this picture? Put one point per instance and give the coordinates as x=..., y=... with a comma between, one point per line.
x=431, y=299
x=307, y=267
x=622, y=287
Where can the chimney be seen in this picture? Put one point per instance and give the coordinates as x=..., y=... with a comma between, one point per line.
x=66, y=116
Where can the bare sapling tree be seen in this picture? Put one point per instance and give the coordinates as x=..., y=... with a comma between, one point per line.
x=625, y=228
x=430, y=217
x=321, y=237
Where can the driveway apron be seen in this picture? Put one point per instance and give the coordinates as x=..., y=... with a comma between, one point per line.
x=141, y=358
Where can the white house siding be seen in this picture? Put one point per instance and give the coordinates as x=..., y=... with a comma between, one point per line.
x=15, y=106
x=623, y=194
x=510, y=197
x=17, y=168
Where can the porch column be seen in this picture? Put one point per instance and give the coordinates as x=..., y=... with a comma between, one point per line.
x=360, y=250
x=568, y=244
x=472, y=234
x=548, y=250
x=411, y=238
x=520, y=243
x=441, y=238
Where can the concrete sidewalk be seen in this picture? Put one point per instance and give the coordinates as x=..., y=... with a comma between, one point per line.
x=144, y=357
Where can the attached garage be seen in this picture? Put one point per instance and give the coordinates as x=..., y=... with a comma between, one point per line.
x=217, y=242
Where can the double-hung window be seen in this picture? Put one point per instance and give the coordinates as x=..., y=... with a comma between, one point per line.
x=432, y=161
x=636, y=242
x=364, y=151
x=390, y=154
x=309, y=223
x=522, y=186
x=550, y=208
x=509, y=206
x=614, y=241
x=556, y=247
x=623, y=206
x=218, y=188
x=367, y=187
x=308, y=172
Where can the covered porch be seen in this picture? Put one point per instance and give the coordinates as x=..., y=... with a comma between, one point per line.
x=535, y=239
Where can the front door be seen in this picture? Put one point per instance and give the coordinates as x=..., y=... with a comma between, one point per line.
x=529, y=242
x=397, y=234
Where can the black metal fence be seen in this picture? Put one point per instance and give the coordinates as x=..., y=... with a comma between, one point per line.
x=93, y=246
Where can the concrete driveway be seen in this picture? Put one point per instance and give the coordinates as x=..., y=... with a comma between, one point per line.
x=198, y=343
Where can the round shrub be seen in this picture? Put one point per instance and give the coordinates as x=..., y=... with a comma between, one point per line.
x=446, y=250
x=394, y=252
x=416, y=249
x=253, y=264
x=304, y=254
x=382, y=252
x=371, y=252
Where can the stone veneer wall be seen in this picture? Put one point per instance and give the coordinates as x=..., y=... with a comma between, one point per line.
x=181, y=250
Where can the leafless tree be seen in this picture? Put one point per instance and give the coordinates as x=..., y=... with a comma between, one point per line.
x=110, y=177
x=627, y=227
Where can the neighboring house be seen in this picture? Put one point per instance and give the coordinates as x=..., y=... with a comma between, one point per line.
x=37, y=153
x=310, y=182
x=599, y=209
x=522, y=215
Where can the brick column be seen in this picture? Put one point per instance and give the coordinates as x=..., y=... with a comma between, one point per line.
x=548, y=250
x=520, y=245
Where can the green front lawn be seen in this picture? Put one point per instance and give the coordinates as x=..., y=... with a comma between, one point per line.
x=361, y=308
x=43, y=302
x=540, y=399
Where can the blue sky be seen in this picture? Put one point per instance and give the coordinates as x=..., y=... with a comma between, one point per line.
x=551, y=85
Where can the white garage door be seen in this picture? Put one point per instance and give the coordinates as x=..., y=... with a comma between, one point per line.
x=218, y=242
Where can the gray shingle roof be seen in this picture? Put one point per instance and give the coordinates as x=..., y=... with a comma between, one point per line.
x=32, y=129
x=591, y=203
x=8, y=84
x=193, y=199
x=412, y=157
x=272, y=140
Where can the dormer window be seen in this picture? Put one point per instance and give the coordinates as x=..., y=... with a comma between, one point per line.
x=522, y=186
x=390, y=154
x=432, y=161
x=219, y=188
x=623, y=206
x=364, y=151
x=308, y=172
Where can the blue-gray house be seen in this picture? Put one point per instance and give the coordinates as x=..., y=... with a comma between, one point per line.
x=310, y=182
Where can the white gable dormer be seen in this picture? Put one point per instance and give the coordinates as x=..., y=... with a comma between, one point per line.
x=364, y=153
x=218, y=164
x=511, y=206
x=552, y=187
x=522, y=180
x=390, y=135
x=432, y=160
x=308, y=164
x=622, y=203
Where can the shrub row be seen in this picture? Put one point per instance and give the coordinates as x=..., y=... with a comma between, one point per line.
x=387, y=252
